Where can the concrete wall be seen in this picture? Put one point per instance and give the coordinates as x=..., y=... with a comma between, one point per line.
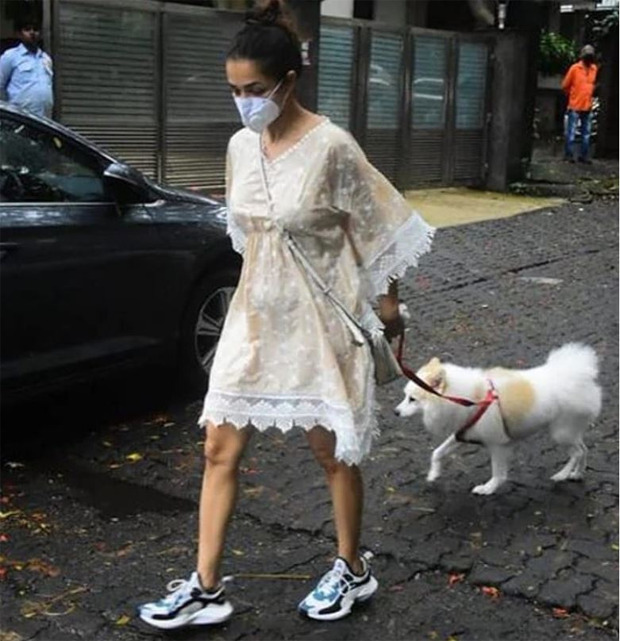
x=509, y=113
x=337, y=8
x=391, y=12
x=396, y=12
x=308, y=16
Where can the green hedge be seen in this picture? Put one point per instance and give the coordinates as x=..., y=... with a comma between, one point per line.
x=556, y=53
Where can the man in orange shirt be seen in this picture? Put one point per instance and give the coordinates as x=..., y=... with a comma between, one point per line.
x=578, y=85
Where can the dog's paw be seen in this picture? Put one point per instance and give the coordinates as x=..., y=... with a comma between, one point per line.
x=560, y=476
x=432, y=476
x=575, y=476
x=485, y=489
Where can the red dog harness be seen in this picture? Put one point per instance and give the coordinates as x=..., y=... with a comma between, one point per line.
x=482, y=405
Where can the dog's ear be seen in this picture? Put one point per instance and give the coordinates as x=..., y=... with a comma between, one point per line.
x=434, y=362
x=437, y=379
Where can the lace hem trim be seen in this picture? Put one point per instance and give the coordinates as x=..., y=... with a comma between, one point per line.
x=409, y=242
x=354, y=430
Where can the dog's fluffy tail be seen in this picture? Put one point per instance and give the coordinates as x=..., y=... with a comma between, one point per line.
x=574, y=360
x=573, y=370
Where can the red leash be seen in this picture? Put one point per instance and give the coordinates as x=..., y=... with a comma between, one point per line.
x=482, y=405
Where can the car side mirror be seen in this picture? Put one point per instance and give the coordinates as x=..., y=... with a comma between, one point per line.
x=125, y=185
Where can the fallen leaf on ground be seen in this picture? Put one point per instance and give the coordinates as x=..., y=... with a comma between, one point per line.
x=32, y=608
x=238, y=552
x=134, y=457
x=455, y=578
x=491, y=592
x=6, y=515
x=123, y=620
x=43, y=567
x=560, y=613
x=253, y=491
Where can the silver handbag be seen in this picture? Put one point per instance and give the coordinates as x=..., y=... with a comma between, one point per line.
x=387, y=368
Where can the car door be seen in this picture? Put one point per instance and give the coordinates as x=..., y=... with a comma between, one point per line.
x=78, y=275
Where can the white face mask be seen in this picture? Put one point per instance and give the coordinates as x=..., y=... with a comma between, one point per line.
x=258, y=112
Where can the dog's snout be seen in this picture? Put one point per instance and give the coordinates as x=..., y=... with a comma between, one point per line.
x=396, y=411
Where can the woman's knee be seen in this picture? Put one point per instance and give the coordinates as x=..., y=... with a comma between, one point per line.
x=224, y=445
x=323, y=444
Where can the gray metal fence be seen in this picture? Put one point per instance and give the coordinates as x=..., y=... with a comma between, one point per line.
x=108, y=77
x=416, y=99
x=147, y=82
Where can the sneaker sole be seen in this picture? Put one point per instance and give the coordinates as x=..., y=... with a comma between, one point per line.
x=213, y=617
x=364, y=594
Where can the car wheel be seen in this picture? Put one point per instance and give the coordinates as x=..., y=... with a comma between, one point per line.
x=202, y=327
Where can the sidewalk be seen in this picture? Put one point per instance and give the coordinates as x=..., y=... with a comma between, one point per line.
x=93, y=528
x=460, y=206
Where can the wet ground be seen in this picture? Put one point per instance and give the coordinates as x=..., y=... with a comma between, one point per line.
x=99, y=501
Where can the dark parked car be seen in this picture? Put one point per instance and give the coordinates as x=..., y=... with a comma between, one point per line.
x=101, y=268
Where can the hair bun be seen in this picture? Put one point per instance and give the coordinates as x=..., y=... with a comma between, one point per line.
x=269, y=13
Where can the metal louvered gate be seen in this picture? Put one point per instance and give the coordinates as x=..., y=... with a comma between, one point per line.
x=107, y=77
x=428, y=99
x=417, y=100
x=383, y=112
x=147, y=83
x=199, y=114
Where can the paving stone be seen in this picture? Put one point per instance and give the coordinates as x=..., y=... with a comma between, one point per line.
x=599, y=605
x=592, y=550
x=524, y=584
x=483, y=574
x=550, y=562
x=607, y=570
x=498, y=557
x=457, y=562
x=564, y=590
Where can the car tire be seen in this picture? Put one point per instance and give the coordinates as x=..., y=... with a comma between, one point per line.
x=202, y=326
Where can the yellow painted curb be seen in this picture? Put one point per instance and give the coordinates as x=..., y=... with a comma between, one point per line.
x=451, y=206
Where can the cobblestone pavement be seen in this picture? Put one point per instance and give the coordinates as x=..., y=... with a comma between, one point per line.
x=91, y=529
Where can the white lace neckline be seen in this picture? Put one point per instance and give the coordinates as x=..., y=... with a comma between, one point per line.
x=289, y=150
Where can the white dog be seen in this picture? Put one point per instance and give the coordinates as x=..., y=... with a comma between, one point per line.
x=562, y=395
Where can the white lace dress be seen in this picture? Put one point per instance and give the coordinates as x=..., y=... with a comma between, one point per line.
x=285, y=358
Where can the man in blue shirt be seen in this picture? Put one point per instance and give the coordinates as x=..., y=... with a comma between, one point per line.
x=26, y=73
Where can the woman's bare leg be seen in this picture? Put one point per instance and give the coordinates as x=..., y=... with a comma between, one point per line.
x=347, y=492
x=224, y=447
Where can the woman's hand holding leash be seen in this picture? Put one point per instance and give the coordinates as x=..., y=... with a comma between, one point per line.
x=390, y=313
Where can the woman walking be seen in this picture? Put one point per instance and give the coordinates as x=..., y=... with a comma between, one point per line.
x=285, y=357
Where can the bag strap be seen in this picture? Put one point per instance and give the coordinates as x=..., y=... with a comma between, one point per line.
x=354, y=326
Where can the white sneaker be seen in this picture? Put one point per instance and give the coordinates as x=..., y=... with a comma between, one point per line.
x=338, y=591
x=187, y=604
